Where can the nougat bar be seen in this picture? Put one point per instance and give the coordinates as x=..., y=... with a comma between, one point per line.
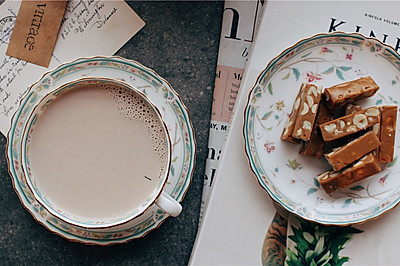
x=349, y=124
x=387, y=133
x=315, y=146
x=352, y=108
x=307, y=112
x=348, y=92
x=289, y=126
x=364, y=167
x=352, y=151
x=377, y=130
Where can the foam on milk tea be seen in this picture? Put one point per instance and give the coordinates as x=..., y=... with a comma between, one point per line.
x=98, y=151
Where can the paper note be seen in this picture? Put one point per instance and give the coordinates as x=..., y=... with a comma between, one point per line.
x=36, y=29
x=88, y=29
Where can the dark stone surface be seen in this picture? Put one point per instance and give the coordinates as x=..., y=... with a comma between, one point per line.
x=180, y=42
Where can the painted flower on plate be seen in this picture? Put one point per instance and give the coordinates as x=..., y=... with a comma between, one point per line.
x=293, y=164
x=269, y=146
x=312, y=77
x=325, y=50
x=279, y=105
x=382, y=180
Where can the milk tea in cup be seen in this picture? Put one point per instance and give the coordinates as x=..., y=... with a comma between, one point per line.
x=97, y=152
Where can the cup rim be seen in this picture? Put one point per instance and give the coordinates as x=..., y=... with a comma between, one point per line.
x=106, y=224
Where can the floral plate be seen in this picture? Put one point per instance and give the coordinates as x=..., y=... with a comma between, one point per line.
x=173, y=112
x=290, y=178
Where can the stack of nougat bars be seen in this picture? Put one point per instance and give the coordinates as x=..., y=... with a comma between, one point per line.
x=355, y=141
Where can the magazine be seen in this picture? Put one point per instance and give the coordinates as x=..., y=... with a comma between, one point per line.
x=240, y=212
x=240, y=21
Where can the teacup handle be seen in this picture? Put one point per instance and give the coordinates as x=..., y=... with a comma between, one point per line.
x=169, y=204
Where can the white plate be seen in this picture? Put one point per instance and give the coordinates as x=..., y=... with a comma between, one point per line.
x=173, y=112
x=290, y=178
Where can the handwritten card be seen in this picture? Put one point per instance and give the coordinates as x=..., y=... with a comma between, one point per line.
x=88, y=28
x=35, y=31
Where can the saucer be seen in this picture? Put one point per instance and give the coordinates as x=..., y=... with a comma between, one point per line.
x=173, y=112
x=290, y=178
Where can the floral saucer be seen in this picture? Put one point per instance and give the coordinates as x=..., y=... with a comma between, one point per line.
x=173, y=112
x=290, y=178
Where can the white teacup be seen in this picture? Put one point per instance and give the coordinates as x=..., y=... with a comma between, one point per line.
x=96, y=154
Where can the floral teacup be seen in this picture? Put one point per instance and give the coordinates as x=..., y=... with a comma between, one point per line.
x=96, y=154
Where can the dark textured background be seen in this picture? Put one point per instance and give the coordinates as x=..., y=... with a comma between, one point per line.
x=180, y=42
